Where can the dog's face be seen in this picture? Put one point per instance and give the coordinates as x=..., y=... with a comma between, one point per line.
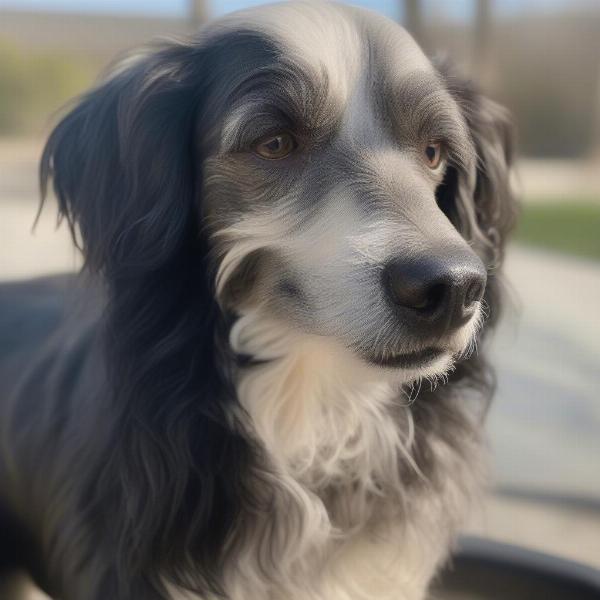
x=345, y=188
x=329, y=134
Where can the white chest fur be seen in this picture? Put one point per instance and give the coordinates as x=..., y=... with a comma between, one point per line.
x=351, y=516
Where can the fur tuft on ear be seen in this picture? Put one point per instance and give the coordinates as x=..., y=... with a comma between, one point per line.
x=486, y=210
x=121, y=162
x=482, y=206
x=124, y=171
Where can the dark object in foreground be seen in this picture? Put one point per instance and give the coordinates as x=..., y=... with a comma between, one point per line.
x=484, y=569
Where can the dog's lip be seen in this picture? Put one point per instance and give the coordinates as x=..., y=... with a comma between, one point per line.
x=407, y=360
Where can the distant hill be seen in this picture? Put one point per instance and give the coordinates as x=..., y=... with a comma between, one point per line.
x=99, y=37
x=48, y=58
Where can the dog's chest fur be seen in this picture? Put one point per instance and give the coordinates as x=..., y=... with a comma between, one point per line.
x=360, y=500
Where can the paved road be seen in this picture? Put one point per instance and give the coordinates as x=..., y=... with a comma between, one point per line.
x=545, y=422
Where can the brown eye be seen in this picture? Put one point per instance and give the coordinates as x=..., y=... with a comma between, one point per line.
x=276, y=147
x=433, y=154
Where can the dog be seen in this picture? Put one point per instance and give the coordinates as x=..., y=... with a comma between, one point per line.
x=288, y=223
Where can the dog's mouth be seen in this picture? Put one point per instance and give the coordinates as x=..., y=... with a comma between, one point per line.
x=408, y=360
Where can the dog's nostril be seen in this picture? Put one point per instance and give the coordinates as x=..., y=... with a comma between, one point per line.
x=405, y=291
x=411, y=288
x=473, y=294
x=435, y=296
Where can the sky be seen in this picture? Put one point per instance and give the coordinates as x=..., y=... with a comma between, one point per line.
x=458, y=9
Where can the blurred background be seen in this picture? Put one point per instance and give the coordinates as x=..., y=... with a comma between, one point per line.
x=541, y=58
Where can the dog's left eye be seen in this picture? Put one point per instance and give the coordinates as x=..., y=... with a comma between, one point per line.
x=433, y=154
x=276, y=146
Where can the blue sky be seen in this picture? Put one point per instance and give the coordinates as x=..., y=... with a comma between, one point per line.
x=456, y=8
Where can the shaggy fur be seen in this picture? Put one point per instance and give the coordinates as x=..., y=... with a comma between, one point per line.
x=209, y=410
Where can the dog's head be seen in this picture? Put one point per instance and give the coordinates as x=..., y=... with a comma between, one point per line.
x=339, y=182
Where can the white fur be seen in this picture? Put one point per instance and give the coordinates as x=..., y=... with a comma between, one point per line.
x=327, y=419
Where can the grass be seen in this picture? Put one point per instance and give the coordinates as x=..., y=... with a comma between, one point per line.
x=572, y=227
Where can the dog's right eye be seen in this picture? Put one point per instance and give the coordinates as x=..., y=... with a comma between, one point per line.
x=276, y=147
x=434, y=155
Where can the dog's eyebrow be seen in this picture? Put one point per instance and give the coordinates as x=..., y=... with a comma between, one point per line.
x=279, y=95
x=422, y=109
x=249, y=120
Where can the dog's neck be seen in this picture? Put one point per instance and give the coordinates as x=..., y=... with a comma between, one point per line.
x=347, y=511
x=321, y=415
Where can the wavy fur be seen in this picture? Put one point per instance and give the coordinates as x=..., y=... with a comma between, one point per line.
x=214, y=427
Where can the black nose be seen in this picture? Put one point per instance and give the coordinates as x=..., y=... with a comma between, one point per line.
x=441, y=291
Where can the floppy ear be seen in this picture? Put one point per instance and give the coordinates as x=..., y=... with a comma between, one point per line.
x=484, y=207
x=121, y=162
x=124, y=170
